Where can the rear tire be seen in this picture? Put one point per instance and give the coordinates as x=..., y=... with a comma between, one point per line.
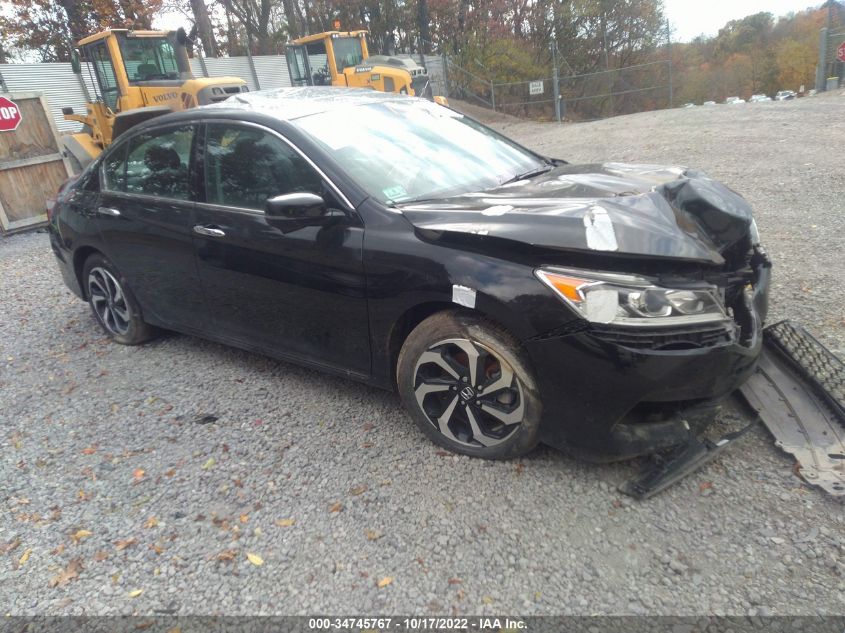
x=112, y=302
x=467, y=385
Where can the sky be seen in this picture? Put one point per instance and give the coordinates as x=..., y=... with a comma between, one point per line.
x=690, y=18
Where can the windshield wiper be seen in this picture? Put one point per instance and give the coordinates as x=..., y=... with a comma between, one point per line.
x=531, y=173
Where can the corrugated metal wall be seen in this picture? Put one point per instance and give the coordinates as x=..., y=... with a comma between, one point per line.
x=60, y=86
x=272, y=71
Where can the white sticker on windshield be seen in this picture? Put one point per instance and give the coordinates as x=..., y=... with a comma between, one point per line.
x=599, y=229
x=395, y=193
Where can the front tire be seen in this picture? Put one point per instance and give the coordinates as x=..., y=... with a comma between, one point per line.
x=467, y=385
x=113, y=304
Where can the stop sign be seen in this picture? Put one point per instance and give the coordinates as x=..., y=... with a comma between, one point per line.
x=840, y=52
x=10, y=115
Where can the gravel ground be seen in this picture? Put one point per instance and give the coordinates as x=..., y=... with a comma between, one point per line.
x=135, y=480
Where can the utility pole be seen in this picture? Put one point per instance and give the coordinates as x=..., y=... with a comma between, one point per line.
x=603, y=23
x=669, y=47
x=555, y=80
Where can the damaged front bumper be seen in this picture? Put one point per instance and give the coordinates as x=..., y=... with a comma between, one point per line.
x=617, y=393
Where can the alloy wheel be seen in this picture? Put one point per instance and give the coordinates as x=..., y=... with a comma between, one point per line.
x=109, y=301
x=469, y=393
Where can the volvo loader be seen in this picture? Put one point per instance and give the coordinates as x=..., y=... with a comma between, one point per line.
x=136, y=75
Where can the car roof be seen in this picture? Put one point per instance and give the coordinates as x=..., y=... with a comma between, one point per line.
x=287, y=104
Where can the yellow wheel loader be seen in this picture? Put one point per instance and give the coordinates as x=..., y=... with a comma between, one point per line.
x=341, y=58
x=137, y=75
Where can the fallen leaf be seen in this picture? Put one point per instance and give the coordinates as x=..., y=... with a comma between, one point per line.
x=372, y=535
x=487, y=600
x=336, y=507
x=705, y=485
x=122, y=544
x=20, y=501
x=89, y=451
x=170, y=473
x=80, y=534
x=135, y=593
x=8, y=547
x=285, y=522
x=101, y=556
x=358, y=490
x=25, y=556
x=138, y=474
x=59, y=550
x=244, y=518
x=384, y=582
x=443, y=453
x=151, y=522
x=209, y=464
x=227, y=555
x=158, y=549
x=520, y=467
x=455, y=581
x=255, y=559
x=69, y=573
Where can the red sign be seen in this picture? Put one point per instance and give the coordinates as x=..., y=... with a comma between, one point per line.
x=840, y=52
x=10, y=115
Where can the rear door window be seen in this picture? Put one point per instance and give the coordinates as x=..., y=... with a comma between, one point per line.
x=158, y=163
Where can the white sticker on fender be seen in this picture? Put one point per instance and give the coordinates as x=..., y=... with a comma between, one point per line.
x=599, y=228
x=463, y=296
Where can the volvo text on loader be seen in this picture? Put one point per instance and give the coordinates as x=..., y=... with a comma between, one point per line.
x=137, y=75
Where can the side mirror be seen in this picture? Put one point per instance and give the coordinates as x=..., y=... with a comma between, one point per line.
x=75, y=64
x=293, y=211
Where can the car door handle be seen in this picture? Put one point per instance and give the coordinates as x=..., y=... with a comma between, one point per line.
x=209, y=230
x=108, y=211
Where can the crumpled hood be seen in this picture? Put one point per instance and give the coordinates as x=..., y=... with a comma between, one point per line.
x=615, y=208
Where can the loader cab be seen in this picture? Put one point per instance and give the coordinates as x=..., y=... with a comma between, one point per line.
x=320, y=60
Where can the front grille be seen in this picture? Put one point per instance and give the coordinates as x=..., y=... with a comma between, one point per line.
x=690, y=337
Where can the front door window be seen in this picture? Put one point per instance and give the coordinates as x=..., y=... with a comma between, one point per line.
x=245, y=166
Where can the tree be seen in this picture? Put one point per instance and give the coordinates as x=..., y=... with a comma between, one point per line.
x=205, y=30
x=259, y=18
x=50, y=30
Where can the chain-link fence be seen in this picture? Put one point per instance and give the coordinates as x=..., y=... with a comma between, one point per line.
x=604, y=93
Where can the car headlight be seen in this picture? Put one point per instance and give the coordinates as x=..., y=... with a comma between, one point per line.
x=632, y=301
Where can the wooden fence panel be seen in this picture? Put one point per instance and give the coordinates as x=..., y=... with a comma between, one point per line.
x=32, y=166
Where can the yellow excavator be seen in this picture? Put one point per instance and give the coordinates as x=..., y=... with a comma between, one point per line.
x=342, y=58
x=137, y=75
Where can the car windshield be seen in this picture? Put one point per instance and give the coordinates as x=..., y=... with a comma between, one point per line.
x=149, y=58
x=411, y=150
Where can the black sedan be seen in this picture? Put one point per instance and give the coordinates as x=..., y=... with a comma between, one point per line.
x=508, y=297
